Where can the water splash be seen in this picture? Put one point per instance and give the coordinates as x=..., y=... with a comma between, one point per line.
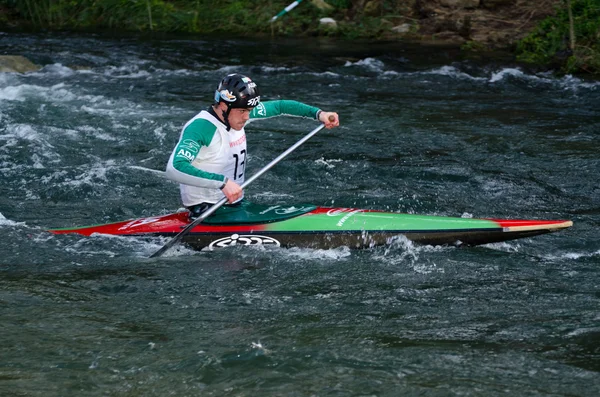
x=8, y=222
x=453, y=72
x=372, y=64
x=572, y=255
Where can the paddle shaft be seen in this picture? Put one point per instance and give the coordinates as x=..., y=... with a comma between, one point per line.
x=219, y=203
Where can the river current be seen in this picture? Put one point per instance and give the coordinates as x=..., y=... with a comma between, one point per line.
x=85, y=141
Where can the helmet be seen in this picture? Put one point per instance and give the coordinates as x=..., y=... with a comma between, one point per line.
x=237, y=91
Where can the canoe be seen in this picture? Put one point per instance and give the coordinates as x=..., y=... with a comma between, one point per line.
x=311, y=226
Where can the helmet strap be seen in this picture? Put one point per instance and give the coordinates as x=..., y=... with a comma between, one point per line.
x=225, y=114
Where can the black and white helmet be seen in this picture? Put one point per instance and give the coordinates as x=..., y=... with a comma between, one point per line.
x=237, y=91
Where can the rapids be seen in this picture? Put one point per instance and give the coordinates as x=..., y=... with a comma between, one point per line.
x=85, y=140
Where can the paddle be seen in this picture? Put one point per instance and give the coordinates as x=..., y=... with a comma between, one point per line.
x=218, y=204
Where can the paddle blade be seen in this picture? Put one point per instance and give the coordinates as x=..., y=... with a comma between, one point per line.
x=163, y=249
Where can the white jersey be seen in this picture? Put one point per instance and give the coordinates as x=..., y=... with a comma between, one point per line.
x=215, y=153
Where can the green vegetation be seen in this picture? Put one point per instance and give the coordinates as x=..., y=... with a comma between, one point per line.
x=235, y=17
x=141, y=15
x=569, y=40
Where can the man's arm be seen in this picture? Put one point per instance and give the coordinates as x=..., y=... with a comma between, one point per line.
x=180, y=169
x=293, y=108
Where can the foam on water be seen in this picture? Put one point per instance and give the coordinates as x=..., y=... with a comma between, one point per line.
x=92, y=175
x=504, y=73
x=228, y=69
x=494, y=187
x=274, y=69
x=7, y=79
x=328, y=163
x=41, y=149
x=8, y=222
x=112, y=246
x=96, y=132
x=453, y=72
x=137, y=70
x=401, y=251
x=126, y=72
x=57, y=93
x=372, y=64
x=504, y=246
x=582, y=331
x=572, y=255
x=69, y=98
x=309, y=254
x=271, y=195
x=567, y=82
x=57, y=70
x=18, y=132
x=324, y=74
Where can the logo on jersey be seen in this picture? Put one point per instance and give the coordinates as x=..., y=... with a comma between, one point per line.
x=188, y=149
x=186, y=154
x=190, y=144
x=243, y=240
x=261, y=110
x=238, y=142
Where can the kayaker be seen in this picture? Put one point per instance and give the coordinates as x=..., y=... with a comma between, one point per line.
x=210, y=158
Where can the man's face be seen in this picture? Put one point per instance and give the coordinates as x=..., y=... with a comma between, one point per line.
x=238, y=118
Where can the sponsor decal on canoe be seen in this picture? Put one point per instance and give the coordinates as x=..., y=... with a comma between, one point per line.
x=347, y=216
x=139, y=222
x=269, y=209
x=245, y=240
x=285, y=210
x=339, y=211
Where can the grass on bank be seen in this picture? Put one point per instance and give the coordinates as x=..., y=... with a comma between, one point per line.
x=234, y=17
x=568, y=41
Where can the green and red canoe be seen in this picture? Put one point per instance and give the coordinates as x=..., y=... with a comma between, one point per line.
x=322, y=227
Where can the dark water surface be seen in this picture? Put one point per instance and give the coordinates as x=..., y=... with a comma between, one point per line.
x=80, y=143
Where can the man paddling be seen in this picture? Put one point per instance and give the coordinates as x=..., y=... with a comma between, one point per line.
x=210, y=158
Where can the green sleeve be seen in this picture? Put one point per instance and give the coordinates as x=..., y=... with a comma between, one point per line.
x=197, y=134
x=276, y=108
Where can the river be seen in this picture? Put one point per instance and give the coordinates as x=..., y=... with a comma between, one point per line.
x=85, y=140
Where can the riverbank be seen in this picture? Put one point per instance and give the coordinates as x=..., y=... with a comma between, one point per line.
x=534, y=32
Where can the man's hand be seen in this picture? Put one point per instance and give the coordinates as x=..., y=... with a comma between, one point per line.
x=330, y=119
x=232, y=191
